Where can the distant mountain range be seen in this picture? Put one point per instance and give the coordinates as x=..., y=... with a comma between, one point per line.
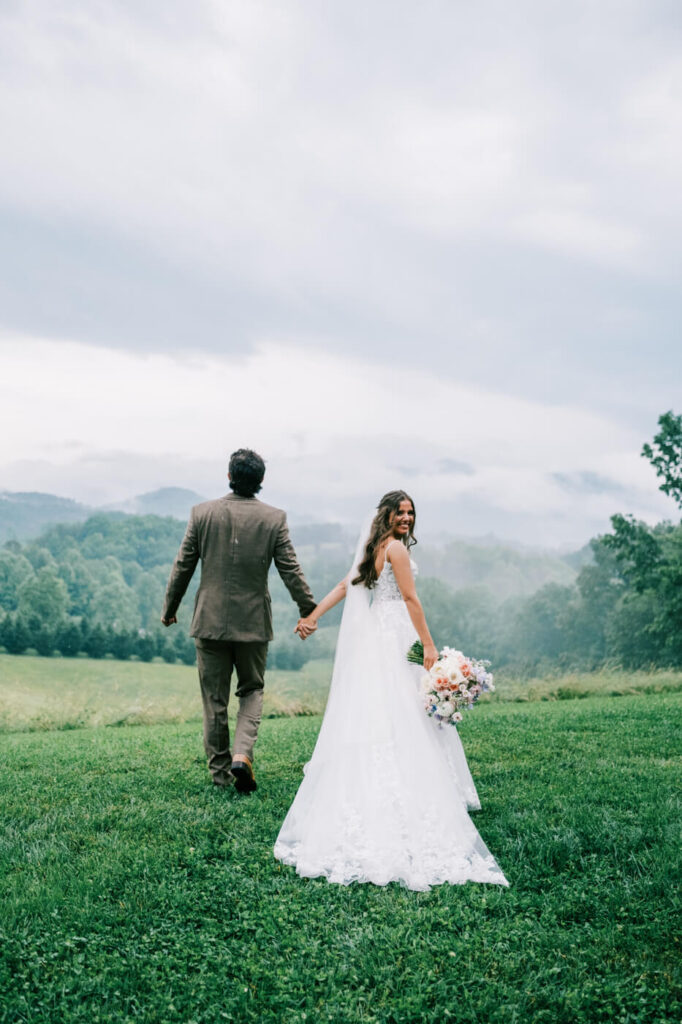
x=25, y=514
x=167, y=501
x=504, y=568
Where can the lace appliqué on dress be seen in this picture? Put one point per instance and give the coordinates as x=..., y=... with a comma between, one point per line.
x=388, y=823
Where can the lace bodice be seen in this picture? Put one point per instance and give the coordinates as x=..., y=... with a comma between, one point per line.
x=387, y=588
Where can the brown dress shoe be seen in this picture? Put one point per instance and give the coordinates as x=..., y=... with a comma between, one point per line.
x=243, y=775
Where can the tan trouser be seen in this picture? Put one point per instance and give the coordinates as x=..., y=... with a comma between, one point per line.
x=216, y=659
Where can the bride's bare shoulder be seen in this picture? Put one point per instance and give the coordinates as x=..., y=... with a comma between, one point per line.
x=396, y=553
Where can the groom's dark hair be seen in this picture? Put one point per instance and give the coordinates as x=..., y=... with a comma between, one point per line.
x=247, y=470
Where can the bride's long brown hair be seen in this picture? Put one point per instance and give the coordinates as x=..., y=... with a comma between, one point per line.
x=381, y=528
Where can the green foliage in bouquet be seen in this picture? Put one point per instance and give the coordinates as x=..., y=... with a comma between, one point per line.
x=416, y=653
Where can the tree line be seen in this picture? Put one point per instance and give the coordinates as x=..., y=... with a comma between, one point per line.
x=624, y=608
x=96, y=588
x=71, y=637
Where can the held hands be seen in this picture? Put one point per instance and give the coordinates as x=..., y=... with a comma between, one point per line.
x=305, y=627
x=430, y=656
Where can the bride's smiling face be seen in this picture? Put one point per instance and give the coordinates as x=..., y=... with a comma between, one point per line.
x=402, y=520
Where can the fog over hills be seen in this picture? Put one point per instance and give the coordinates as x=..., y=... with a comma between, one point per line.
x=166, y=501
x=506, y=568
x=25, y=514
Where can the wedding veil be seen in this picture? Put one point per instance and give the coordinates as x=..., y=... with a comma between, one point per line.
x=354, y=694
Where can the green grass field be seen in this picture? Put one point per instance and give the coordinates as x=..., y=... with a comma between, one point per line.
x=69, y=693
x=132, y=891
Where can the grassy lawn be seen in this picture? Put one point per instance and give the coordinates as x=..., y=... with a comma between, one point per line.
x=69, y=693
x=575, y=685
x=131, y=891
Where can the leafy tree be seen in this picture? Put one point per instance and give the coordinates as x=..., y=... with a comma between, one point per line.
x=44, y=641
x=44, y=596
x=14, y=571
x=68, y=639
x=541, y=631
x=149, y=589
x=650, y=562
x=437, y=600
x=464, y=619
x=184, y=647
x=96, y=642
x=6, y=627
x=122, y=644
x=637, y=551
x=79, y=580
x=165, y=649
x=17, y=636
x=147, y=540
x=145, y=646
x=600, y=587
x=287, y=655
x=40, y=557
x=631, y=634
x=116, y=604
x=665, y=455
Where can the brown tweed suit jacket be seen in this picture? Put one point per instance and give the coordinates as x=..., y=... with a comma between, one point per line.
x=236, y=540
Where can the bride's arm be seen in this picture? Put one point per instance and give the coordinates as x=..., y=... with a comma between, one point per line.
x=304, y=627
x=400, y=560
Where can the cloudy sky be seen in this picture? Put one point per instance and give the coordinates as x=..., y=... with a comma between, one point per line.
x=392, y=244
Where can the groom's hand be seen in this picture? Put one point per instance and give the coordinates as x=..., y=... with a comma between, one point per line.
x=305, y=627
x=169, y=622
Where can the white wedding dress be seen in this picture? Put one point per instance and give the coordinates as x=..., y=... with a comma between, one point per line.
x=385, y=796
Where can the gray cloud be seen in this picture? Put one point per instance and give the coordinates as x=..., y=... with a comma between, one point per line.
x=587, y=482
x=445, y=466
x=484, y=194
x=486, y=188
x=455, y=466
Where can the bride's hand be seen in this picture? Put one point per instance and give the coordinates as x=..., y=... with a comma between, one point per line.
x=305, y=627
x=430, y=656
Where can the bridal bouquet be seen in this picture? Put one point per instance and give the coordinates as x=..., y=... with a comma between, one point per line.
x=454, y=683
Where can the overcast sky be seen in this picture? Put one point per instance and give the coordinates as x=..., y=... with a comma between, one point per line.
x=426, y=245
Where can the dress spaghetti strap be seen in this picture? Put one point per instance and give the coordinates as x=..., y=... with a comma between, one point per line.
x=386, y=554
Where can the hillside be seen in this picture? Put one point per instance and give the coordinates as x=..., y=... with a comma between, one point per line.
x=166, y=501
x=504, y=570
x=25, y=514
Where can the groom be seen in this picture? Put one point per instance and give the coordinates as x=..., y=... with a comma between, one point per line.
x=236, y=538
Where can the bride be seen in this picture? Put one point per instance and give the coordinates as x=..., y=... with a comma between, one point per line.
x=386, y=794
